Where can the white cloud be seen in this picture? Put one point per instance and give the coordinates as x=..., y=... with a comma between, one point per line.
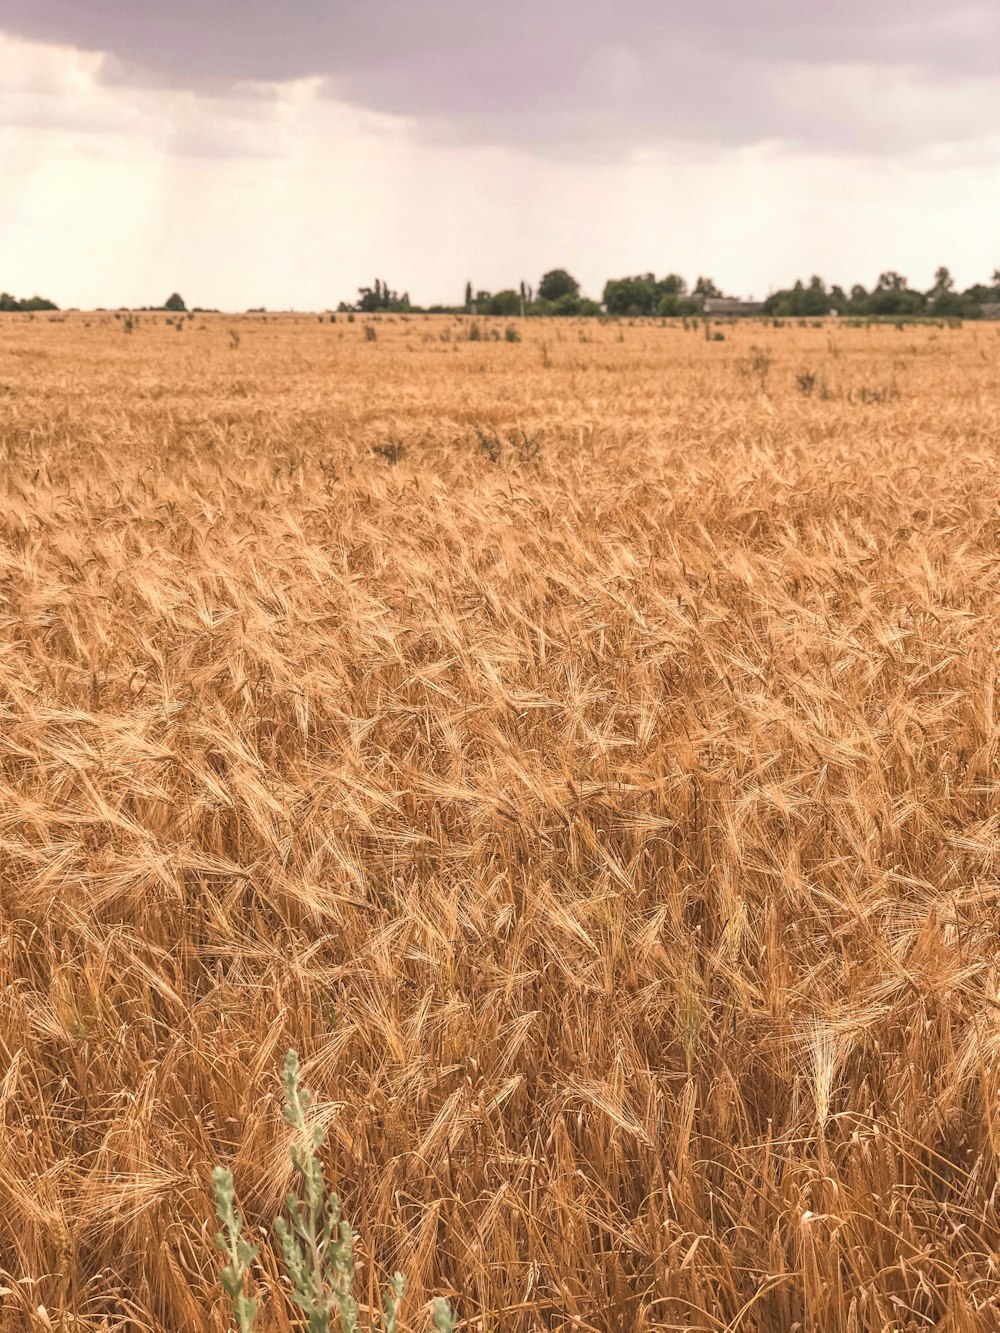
x=574, y=77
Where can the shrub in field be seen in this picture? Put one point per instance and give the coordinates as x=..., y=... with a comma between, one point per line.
x=392, y=451
x=317, y=1241
x=490, y=443
x=234, y=1245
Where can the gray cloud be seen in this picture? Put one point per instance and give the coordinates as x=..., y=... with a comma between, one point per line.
x=575, y=75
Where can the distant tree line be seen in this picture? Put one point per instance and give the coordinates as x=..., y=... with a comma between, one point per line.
x=892, y=295
x=174, y=303
x=8, y=302
x=558, y=293
x=644, y=294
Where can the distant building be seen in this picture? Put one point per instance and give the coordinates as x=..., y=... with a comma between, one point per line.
x=991, y=309
x=731, y=305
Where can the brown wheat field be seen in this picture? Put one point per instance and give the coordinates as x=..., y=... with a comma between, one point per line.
x=583, y=750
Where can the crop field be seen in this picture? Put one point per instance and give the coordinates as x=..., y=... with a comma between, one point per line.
x=579, y=744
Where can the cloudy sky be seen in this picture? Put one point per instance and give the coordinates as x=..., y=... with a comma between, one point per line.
x=281, y=152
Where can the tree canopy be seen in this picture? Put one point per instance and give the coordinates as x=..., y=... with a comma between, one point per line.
x=647, y=295
x=556, y=284
x=10, y=303
x=379, y=297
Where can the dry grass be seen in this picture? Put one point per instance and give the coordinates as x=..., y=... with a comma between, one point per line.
x=603, y=803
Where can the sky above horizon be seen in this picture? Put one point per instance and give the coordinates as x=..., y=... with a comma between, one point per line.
x=249, y=153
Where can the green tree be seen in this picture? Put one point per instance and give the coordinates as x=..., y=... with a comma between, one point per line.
x=567, y=304
x=891, y=281
x=645, y=294
x=806, y=302
x=859, y=300
x=556, y=284
x=380, y=297
x=944, y=300
x=978, y=295
x=630, y=296
x=506, y=303
x=11, y=303
x=175, y=302
x=892, y=296
x=706, y=287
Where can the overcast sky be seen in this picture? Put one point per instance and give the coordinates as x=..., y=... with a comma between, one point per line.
x=281, y=152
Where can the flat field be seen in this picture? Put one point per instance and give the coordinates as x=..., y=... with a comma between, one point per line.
x=582, y=749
